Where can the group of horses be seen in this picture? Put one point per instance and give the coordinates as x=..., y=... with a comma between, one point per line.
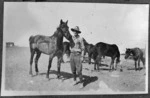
x=54, y=46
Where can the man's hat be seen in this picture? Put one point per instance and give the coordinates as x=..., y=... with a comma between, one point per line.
x=76, y=29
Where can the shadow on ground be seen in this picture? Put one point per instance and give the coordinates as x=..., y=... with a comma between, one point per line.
x=134, y=68
x=64, y=76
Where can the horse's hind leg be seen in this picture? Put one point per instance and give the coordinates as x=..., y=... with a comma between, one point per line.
x=36, y=62
x=139, y=64
x=143, y=61
x=89, y=58
x=84, y=56
x=31, y=61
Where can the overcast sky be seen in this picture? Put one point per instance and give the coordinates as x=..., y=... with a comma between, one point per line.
x=123, y=24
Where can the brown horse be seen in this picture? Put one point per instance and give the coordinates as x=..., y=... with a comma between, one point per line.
x=50, y=45
x=110, y=50
x=137, y=55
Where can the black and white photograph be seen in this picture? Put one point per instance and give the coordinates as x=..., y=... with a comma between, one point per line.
x=74, y=48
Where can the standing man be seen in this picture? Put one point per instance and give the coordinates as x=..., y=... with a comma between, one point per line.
x=76, y=57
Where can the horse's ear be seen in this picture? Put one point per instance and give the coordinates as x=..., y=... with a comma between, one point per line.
x=61, y=21
x=67, y=22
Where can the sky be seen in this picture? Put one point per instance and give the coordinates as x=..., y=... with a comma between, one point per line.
x=123, y=24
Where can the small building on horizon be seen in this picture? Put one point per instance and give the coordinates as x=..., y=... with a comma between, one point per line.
x=10, y=44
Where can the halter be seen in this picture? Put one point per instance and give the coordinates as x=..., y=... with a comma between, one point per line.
x=59, y=29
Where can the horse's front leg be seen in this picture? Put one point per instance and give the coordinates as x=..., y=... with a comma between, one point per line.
x=117, y=63
x=62, y=59
x=58, y=66
x=98, y=62
x=95, y=64
x=135, y=65
x=49, y=65
x=111, y=64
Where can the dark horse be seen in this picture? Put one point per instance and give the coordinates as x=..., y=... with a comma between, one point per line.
x=137, y=55
x=110, y=50
x=66, y=49
x=50, y=45
x=88, y=49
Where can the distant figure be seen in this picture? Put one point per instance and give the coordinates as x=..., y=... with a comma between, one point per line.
x=10, y=44
x=76, y=57
x=137, y=54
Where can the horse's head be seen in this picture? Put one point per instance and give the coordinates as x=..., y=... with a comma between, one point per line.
x=85, y=42
x=127, y=53
x=65, y=29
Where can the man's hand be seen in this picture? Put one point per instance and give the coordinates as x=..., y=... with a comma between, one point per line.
x=75, y=50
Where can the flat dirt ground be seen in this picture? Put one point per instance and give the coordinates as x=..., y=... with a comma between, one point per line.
x=17, y=76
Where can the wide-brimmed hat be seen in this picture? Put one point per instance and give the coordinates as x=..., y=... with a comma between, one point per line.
x=76, y=29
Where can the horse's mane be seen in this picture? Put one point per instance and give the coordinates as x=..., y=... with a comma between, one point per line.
x=57, y=30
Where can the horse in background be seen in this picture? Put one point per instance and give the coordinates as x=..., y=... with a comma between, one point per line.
x=137, y=54
x=111, y=50
x=50, y=45
x=66, y=49
x=88, y=49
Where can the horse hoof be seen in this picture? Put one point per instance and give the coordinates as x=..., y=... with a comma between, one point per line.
x=121, y=70
x=30, y=73
x=47, y=77
x=37, y=73
x=58, y=77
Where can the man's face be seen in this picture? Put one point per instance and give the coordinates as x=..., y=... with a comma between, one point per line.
x=75, y=33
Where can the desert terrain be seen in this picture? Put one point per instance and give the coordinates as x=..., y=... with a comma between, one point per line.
x=17, y=76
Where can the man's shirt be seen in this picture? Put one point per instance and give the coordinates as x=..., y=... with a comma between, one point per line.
x=79, y=45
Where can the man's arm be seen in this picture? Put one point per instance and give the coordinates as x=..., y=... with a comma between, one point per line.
x=82, y=47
